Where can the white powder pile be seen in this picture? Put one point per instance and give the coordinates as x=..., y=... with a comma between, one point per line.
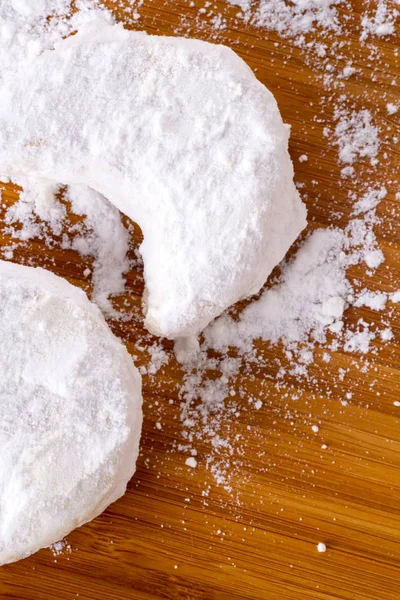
x=60, y=547
x=355, y=136
x=380, y=21
x=310, y=297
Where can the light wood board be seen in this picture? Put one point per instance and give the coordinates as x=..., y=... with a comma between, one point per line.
x=166, y=540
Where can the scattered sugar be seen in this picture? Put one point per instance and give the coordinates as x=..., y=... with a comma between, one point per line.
x=381, y=22
x=60, y=547
x=158, y=358
x=290, y=19
x=348, y=71
x=355, y=135
x=387, y=334
x=375, y=300
x=369, y=200
x=321, y=547
x=391, y=108
x=102, y=237
x=359, y=340
x=309, y=296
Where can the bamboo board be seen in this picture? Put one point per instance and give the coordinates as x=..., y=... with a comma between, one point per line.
x=166, y=539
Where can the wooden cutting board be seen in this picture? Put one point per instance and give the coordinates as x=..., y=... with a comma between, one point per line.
x=175, y=533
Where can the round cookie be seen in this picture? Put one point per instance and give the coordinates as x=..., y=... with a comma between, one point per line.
x=70, y=411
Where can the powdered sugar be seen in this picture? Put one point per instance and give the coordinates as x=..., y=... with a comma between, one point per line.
x=60, y=547
x=103, y=236
x=299, y=17
x=291, y=18
x=191, y=462
x=356, y=136
x=158, y=358
x=106, y=239
x=70, y=411
x=380, y=21
x=374, y=300
x=310, y=296
x=369, y=200
x=28, y=28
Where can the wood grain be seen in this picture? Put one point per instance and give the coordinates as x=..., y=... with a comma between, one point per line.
x=166, y=540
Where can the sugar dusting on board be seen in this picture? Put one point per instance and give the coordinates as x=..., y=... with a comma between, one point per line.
x=105, y=239
x=60, y=548
x=102, y=236
x=303, y=310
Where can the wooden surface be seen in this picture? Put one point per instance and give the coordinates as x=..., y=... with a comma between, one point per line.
x=165, y=539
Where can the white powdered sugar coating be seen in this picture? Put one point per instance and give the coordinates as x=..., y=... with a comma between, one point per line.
x=205, y=145
x=28, y=27
x=70, y=411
